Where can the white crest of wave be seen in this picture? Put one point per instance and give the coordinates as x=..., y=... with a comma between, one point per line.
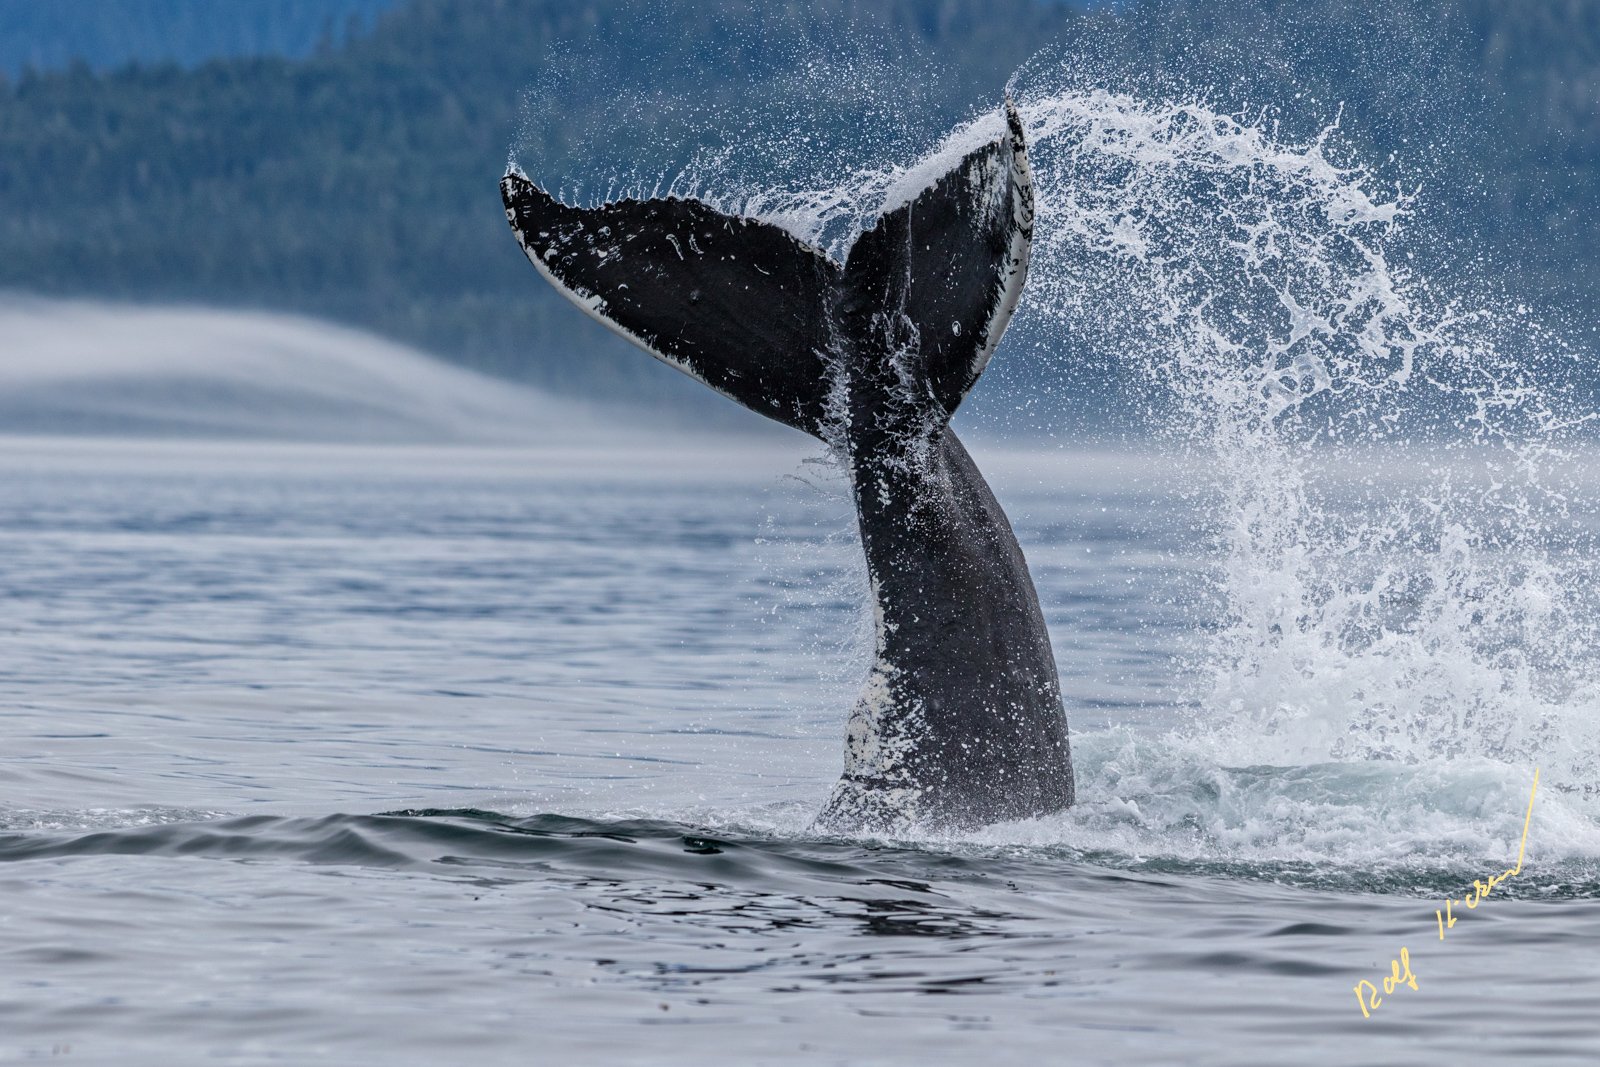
x=76, y=367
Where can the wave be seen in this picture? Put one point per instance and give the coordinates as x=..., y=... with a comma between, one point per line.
x=496, y=847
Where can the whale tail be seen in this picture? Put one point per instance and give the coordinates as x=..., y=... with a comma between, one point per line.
x=752, y=311
x=961, y=721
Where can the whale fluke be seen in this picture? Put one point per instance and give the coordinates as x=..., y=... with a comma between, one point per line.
x=736, y=303
x=961, y=721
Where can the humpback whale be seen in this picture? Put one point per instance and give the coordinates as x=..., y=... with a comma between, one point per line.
x=960, y=722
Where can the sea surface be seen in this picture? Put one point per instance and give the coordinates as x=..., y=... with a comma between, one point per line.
x=473, y=755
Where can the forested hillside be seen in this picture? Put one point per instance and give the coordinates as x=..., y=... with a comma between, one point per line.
x=359, y=182
x=108, y=33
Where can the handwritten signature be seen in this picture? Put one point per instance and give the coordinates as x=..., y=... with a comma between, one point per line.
x=1400, y=972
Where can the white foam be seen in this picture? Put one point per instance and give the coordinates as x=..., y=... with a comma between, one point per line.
x=1164, y=797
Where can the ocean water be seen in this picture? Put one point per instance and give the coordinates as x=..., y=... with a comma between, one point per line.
x=343, y=754
x=504, y=753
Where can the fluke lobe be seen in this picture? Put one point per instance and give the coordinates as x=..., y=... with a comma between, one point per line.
x=960, y=722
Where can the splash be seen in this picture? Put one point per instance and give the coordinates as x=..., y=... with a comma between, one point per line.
x=1408, y=556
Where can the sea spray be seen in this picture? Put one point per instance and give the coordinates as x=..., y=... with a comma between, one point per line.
x=1441, y=603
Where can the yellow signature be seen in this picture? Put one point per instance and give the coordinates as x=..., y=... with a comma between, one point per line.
x=1400, y=968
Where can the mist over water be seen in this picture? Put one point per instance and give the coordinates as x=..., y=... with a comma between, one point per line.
x=81, y=367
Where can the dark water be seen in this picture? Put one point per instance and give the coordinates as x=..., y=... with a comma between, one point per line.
x=462, y=756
